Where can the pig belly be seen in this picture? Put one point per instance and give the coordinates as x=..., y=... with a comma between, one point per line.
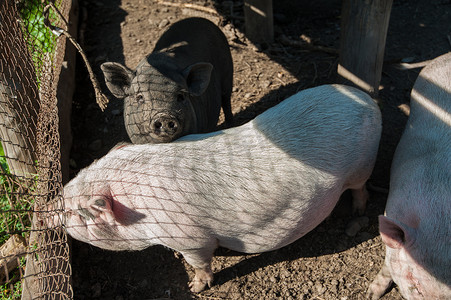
x=290, y=225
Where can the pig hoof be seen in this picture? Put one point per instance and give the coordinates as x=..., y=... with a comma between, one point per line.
x=201, y=279
x=197, y=286
x=356, y=225
x=380, y=284
x=374, y=292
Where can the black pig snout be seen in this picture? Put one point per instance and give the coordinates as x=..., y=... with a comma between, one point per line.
x=165, y=125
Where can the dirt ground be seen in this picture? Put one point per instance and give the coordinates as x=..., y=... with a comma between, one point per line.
x=324, y=264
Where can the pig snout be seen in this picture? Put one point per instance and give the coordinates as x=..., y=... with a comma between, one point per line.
x=165, y=127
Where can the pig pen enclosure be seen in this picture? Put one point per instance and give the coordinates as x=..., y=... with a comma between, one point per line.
x=33, y=258
x=327, y=263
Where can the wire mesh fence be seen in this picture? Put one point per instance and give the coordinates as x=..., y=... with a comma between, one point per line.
x=34, y=259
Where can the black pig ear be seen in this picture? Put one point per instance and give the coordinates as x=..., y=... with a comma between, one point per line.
x=117, y=78
x=197, y=77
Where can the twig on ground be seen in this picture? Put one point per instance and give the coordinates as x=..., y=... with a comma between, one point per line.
x=189, y=5
x=283, y=39
x=10, y=253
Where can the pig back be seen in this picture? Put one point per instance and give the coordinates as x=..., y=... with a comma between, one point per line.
x=431, y=96
x=336, y=128
x=425, y=145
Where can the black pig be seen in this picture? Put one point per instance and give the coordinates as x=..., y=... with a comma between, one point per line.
x=180, y=87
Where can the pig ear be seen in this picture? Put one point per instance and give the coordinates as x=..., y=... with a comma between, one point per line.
x=101, y=208
x=394, y=234
x=197, y=77
x=117, y=78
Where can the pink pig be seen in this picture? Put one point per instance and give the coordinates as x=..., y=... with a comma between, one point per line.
x=252, y=188
x=416, y=228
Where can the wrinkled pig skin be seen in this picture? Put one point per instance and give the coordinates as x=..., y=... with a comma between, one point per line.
x=252, y=188
x=416, y=228
x=180, y=87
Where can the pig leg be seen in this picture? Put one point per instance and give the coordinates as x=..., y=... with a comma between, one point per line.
x=380, y=284
x=200, y=259
x=227, y=109
x=359, y=198
x=203, y=277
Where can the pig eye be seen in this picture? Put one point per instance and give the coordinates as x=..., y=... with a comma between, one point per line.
x=139, y=98
x=86, y=214
x=180, y=98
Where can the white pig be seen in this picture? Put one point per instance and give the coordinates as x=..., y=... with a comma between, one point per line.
x=253, y=188
x=416, y=228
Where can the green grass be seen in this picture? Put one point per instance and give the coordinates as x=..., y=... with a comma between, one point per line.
x=11, y=291
x=15, y=202
x=3, y=164
x=40, y=38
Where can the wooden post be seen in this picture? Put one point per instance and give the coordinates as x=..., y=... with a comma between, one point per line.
x=259, y=20
x=19, y=97
x=65, y=92
x=363, y=33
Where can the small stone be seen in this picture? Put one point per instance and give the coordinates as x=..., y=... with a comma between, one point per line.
x=352, y=229
x=356, y=225
x=247, y=95
x=320, y=288
x=163, y=23
x=265, y=84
